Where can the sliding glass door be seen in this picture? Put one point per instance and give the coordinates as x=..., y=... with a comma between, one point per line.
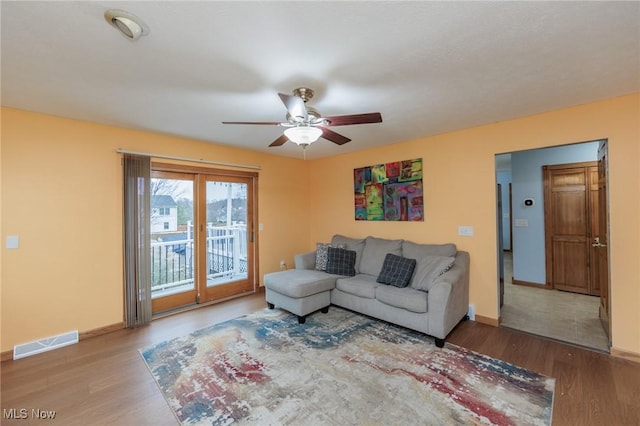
x=203, y=241
x=227, y=253
x=173, y=252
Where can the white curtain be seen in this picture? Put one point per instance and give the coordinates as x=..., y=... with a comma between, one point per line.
x=137, y=250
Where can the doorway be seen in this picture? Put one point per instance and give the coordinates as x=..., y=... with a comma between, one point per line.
x=203, y=244
x=528, y=306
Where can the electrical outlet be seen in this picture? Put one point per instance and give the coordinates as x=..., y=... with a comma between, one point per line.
x=283, y=264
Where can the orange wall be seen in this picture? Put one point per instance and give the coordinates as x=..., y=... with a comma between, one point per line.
x=459, y=183
x=62, y=195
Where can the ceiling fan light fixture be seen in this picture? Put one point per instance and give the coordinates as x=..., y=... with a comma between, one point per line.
x=303, y=135
x=127, y=23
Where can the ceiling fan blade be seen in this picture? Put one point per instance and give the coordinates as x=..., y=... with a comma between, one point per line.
x=280, y=141
x=295, y=106
x=345, y=120
x=334, y=137
x=264, y=123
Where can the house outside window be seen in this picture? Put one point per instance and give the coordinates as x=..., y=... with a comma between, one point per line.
x=164, y=214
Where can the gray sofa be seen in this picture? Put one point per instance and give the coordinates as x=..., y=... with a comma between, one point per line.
x=434, y=300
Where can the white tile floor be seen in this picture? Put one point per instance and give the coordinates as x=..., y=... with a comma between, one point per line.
x=559, y=315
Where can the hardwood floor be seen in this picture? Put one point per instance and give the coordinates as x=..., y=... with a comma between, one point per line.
x=104, y=381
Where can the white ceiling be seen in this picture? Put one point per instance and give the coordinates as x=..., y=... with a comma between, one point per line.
x=428, y=67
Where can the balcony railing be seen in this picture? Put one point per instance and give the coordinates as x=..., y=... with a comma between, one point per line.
x=172, y=262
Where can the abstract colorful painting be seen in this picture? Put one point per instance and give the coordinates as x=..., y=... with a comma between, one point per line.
x=390, y=191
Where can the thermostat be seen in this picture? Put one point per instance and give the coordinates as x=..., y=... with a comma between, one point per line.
x=529, y=202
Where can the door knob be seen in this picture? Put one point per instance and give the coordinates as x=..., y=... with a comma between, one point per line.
x=597, y=243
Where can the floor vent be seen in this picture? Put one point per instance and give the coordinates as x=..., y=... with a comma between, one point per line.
x=44, y=345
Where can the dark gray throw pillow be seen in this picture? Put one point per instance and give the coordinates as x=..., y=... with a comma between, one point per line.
x=396, y=270
x=341, y=261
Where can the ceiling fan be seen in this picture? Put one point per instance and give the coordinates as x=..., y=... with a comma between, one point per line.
x=305, y=124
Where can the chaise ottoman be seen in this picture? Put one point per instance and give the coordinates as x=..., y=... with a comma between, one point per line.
x=300, y=292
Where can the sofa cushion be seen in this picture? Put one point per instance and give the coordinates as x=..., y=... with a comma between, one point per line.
x=298, y=283
x=355, y=244
x=428, y=269
x=396, y=270
x=341, y=261
x=361, y=285
x=405, y=298
x=374, y=252
x=416, y=251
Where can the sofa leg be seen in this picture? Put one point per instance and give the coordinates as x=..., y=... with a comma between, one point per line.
x=325, y=310
x=439, y=342
x=271, y=305
x=301, y=319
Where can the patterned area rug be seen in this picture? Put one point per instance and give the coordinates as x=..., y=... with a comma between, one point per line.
x=339, y=368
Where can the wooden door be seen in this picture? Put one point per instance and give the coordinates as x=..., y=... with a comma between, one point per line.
x=594, y=225
x=569, y=226
x=601, y=240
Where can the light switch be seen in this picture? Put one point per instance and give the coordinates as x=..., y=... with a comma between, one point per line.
x=13, y=242
x=466, y=231
x=260, y=227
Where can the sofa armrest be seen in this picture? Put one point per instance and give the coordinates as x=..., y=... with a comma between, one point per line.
x=448, y=300
x=305, y=260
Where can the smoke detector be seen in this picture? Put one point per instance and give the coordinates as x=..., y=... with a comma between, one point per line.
x=127, y=23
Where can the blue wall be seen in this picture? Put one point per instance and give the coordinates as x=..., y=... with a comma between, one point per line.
x=504, y=179
x=526, y=175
